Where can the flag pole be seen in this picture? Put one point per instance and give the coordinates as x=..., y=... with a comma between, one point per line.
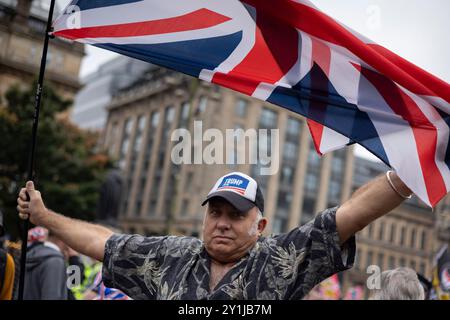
x=30, y=176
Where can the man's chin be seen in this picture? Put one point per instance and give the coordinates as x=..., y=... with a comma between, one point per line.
x=220, y=250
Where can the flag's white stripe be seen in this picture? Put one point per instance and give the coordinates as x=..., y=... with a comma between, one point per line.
x=248, y=26
x=332, y=140
x=306, y=3
x=442, y=134
x=438, y=102
x=139, y=11
x=346, y=82
x=397, y=138
x=306, y=56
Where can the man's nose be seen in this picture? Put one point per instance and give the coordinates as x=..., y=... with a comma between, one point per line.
x=223, y=223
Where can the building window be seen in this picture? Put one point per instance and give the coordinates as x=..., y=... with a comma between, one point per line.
x=413, y=238
x=381, y=260
x=311, y=184
x=391, y=262
x=268, y=119
x=381, y=231
x=422, y=268
x=294, y=127
x=138, y=208
x=334, y=192
x=184, y=115
x=402, y=236
x=170, y=113
x=279, y=225
x=185, y=110
x=423, y=240
x=138, y=137
x=111, y=139
x=313, y=158
x=369, y=258
x=284, y=199
x=125, y=142
x=309, y=206
x=287, y=175
x=155, y=119
x=413, y=264
x=370, y=231
x=154, y=196
x=283, y=205
x=241, y=108
x=336, y=178
x=202, y=104
x=358, y=259
x=392, y=238
x=184, y=208
x=290, y=150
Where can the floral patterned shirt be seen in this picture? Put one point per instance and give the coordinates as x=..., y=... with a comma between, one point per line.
x=286, y=266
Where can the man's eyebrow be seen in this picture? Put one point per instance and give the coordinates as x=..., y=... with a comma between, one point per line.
x=238, y=213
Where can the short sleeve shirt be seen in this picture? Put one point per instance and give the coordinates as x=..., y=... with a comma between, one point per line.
x=285, y=266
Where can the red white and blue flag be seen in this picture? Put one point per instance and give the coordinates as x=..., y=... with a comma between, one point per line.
x=289, y=53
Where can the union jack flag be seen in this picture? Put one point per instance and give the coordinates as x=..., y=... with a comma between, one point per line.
x=289, y=53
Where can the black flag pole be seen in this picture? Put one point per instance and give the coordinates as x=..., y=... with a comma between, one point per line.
x=30, y=176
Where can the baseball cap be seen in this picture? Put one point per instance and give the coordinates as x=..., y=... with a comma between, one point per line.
x=37, y=234
x=240, y=190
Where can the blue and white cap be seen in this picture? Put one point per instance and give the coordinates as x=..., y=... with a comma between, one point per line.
x=240, y=190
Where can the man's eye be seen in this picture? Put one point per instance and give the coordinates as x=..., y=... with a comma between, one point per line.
x=237, y=215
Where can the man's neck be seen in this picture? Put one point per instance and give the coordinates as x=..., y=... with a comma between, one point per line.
x=217, y=271
x=220, y=264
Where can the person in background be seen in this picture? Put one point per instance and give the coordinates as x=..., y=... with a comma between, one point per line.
x=7, y=268
x=399, y=284
x=45, y=277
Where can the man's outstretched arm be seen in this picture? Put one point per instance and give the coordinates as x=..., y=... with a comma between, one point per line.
x=368, y=203
x=86, y=238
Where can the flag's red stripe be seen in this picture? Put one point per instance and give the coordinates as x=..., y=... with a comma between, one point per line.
x=425, y=133
x=321, y=54
x=273, y=55
x=316, y=130
x=421, y=75
x=308, y=19
x=199, y=19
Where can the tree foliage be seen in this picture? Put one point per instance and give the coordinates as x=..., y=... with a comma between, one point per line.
x=68, y=167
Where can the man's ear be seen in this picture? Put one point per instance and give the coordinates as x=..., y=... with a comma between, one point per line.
x=262, y=225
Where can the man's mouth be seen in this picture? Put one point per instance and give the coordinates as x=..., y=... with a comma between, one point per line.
x=222, y=238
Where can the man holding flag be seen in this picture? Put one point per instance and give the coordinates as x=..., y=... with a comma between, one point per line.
x=234, y=260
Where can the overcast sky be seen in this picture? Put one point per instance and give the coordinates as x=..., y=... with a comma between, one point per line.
x=417, y=30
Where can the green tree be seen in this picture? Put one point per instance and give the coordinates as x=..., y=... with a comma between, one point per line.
x=68, y=168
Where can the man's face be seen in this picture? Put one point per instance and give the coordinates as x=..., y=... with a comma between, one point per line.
x=227, y=233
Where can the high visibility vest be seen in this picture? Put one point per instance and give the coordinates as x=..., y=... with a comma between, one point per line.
x=90, y=271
